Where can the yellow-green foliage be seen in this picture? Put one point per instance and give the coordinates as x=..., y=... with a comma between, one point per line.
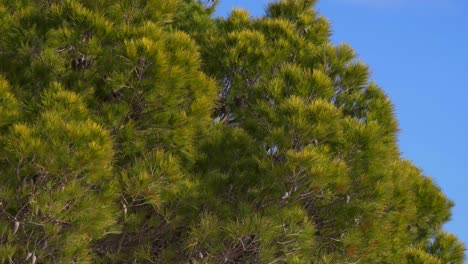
x=146, y=131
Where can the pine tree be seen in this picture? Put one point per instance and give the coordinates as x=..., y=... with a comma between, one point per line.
x=128, y=86
x=148, y=132
x=302, y=164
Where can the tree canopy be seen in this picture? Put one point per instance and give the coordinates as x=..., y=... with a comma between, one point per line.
x=147, y=131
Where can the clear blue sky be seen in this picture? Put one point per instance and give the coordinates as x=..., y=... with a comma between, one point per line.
x=418, y=53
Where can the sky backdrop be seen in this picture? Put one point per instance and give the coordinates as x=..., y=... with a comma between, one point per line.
x=417, y=51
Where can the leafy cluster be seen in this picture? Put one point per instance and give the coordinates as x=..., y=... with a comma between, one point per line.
x=146, y=131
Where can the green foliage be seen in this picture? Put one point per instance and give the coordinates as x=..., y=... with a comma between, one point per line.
x=148, y=132
x=9, y=107
x=57, y=191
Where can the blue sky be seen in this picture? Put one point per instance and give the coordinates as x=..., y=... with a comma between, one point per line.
x=418, y=53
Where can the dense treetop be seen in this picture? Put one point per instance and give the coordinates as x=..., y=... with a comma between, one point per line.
x=146, y=131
